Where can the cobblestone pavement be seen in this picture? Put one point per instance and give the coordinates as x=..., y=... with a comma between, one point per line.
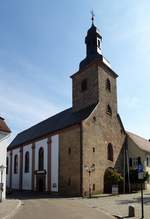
x=8, y=208
x=118, y=205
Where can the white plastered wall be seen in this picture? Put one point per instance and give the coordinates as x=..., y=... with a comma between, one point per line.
x=27, y=177
x=8, y=175
x=15, y=176
x=3, y=151
x=38, y=145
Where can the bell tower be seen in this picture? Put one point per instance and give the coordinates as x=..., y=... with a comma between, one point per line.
x=89, y=83
x=93, y=42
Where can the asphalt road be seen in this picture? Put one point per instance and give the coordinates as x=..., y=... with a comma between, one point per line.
x=55, y=208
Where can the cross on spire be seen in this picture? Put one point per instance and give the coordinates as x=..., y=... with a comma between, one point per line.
x=93, y=16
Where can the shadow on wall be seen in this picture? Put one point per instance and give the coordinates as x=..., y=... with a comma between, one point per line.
x=119, y=167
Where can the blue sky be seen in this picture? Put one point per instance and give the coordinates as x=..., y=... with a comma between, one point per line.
x=42, y=43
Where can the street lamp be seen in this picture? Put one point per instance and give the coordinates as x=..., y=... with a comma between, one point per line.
x=90, y=170
x=2, y=167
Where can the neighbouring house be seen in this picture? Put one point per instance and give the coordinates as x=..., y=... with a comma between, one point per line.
x=4, y=134
x=56, y=154
x=139, y=153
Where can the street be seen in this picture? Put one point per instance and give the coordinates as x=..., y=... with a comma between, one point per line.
x=55, y=208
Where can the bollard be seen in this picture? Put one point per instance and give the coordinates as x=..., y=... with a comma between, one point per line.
x=131, y=212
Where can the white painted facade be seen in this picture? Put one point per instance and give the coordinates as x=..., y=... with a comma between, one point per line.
x=54, y=163
x=3, y=149
x=27, y=177
x=43, y=143
x=8, y=175
x=15, y=176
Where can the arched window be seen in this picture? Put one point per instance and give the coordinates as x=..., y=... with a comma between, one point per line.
x=108, y=85
x=16, y=164
x=7, y=165
x=41, y=159
x=110, y=152
x=26, y=168
x=109, y=110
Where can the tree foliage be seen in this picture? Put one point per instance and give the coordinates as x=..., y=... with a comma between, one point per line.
x=113, y=176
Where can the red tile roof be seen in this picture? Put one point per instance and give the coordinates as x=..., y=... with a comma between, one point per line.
x=3, y=126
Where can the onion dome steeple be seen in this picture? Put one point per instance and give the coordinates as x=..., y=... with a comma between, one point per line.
x=93, y=42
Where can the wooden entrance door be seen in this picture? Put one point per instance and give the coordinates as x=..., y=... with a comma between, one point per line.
x=40, y=183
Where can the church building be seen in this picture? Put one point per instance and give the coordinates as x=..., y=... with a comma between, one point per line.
x=59, y=153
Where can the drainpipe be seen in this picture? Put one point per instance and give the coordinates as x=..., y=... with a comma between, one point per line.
x=127, y=155
x=124, y=170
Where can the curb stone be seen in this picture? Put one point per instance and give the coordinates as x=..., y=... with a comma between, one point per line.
x=104, y=212
x=14, y=211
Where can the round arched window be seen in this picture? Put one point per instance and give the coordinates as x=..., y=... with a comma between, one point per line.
x=41, y=158
x=110, y=152
x=26, y=162
x=16, y=164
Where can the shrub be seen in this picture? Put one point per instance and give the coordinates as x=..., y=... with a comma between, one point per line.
x=114, y=177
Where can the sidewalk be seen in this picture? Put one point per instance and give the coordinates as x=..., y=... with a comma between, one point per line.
x=118, y=205
x=8, y=208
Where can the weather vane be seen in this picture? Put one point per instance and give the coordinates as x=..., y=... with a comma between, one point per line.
x=93, y=16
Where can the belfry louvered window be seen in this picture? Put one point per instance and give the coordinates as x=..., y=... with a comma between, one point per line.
x=109, y=110
x=108, y=85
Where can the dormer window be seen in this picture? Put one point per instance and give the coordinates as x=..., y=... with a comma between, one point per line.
x=84, y=85
x=108, y=85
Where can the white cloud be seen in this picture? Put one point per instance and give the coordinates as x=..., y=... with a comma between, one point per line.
x=23, y=109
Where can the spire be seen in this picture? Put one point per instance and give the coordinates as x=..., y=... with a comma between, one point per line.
x=93, y=42
x=93, y=17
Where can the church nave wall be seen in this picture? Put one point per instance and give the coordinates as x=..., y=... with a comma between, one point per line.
x=15, y=168
x=27, y=175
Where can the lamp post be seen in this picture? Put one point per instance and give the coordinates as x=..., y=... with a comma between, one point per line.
x=90, y=170
x=2, y=167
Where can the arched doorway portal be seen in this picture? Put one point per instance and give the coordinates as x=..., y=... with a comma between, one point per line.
x=107, y=182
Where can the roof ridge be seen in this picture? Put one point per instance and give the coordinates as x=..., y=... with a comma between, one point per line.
x=52, y=124
x=137, y=136
x=43, y=121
